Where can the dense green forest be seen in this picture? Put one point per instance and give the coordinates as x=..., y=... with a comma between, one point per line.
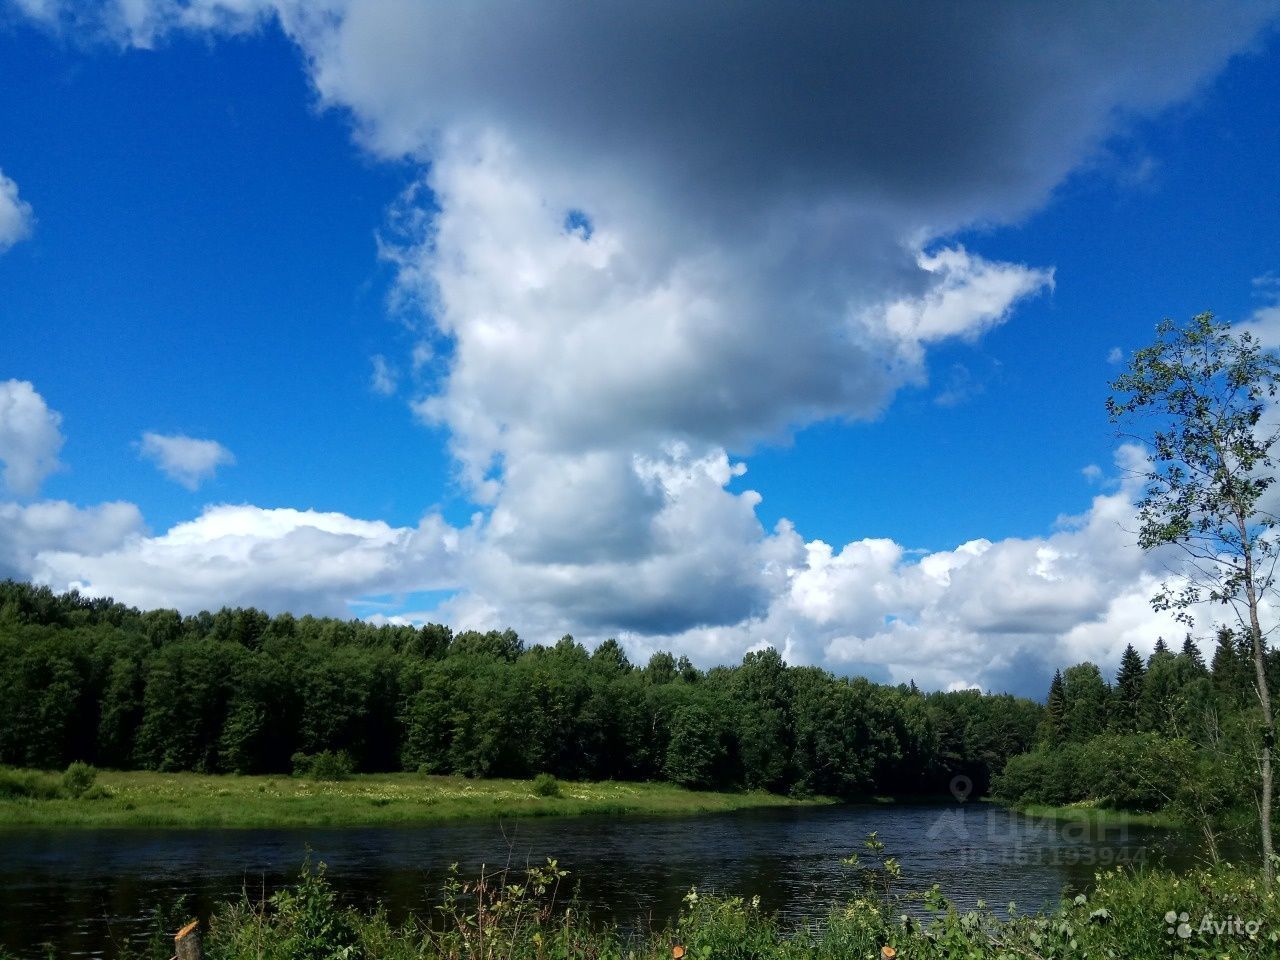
x=241, y=691
x=1171, y=733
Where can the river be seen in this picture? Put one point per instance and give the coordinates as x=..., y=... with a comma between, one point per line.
x=84, y=890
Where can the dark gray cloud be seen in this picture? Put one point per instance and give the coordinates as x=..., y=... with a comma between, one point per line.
x=931, y=114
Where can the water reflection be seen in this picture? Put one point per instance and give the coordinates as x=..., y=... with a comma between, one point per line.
x=83, y=890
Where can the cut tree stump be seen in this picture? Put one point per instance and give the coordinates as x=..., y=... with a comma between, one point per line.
x=187, y=945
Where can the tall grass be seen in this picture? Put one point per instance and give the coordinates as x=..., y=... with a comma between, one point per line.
x=505, y=916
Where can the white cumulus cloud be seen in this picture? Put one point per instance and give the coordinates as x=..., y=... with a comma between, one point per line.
x=705, y=579
x=184, y=459
x=278, y=559
x=28, y=531
x=16, y=217
x=30, y=437
x=969, y=297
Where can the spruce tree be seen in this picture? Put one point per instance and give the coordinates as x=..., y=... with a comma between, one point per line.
x=1128, y=691
x=1232, y=672
x=1056, y=709
x=1193, y=655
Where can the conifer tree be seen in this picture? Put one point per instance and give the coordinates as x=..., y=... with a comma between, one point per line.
x=1193, y=655
x=1055, y=714
x=1128, y=691
x=1231, y=670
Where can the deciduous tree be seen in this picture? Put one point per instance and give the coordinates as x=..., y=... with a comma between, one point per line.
x=1198, y=398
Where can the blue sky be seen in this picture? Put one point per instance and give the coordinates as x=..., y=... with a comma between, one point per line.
x=215, y=249
x=205, y=262
x=1189, y=235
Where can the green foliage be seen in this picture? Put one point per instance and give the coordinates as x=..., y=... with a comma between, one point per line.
x=27, y=785
x=239, y=691
x=1201, y=391
x=1055, y=711
x=1178, y=738
x=303, y=922
x=545, y=785
x=520, y=916
x=78, y=779
x=695, y=750
x=877, y=873
x=1085, y=696
x=1232, y=671
x=331, y=765
x=1127, y=693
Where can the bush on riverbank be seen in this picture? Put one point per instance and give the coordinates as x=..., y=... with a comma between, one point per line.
x=1138, y=772
x=77, y=782
x=26, y=785
x=1215, y=913
x=545, y=785
x=330, y=765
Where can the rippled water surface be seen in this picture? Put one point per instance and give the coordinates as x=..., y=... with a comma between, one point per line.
x=84, y=890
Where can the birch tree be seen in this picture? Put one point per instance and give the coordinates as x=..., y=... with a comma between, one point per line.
x=1199, y=399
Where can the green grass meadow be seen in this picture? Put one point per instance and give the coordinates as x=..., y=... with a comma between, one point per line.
x=141, y=799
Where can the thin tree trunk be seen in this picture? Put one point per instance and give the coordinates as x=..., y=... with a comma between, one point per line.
x=1210, y=835
x=1268, y=721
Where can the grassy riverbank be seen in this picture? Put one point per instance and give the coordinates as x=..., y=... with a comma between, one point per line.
x=145, y=799
x=1098, y=816
x=1224, y=914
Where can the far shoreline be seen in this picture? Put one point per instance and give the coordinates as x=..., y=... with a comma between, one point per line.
x=192, y=800
x=143, y=799
x=1097, y=816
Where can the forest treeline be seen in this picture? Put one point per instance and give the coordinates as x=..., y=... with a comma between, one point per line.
x=1171, y=733
x=240, y=691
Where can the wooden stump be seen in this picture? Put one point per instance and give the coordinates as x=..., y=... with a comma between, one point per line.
x=187, y=945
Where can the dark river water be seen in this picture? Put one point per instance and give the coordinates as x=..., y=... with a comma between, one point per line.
x=84, y=890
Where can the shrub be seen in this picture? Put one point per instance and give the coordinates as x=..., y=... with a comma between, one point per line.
x=1137, y=771
x=308, y=920
x=325, y=765
x=26, y=784
x=545, y=785
x=78, y=779
x=1023, y=780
